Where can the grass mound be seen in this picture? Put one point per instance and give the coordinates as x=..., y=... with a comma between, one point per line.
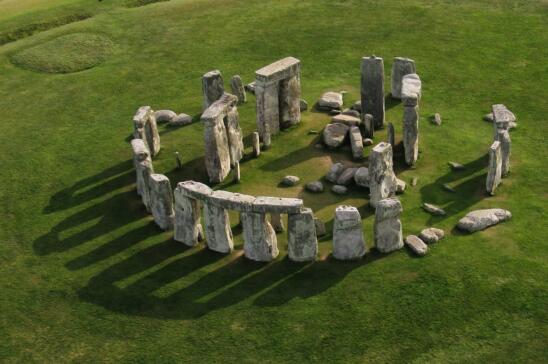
x=66, y=54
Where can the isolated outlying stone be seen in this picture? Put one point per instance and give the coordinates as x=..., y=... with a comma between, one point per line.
x=334, y=172
x=431, y=235
x=348, y=238
x=433, y=209
x=416, y=245
x=482, y=219
x=334, y=135
x=437, y=119
x=351, y=112
x=387, y=228
x=164, y=116
x=290, y=181
x=361, y=177
x=315, y=186
x=330, y=100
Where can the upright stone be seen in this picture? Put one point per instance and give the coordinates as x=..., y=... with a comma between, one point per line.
x=356, y=142
x=217, y=228
x=234, y=133
x=212, y=87
x=140, y=154
x=256, y=144
x=387, y=228
x=382, y=180
x=260, y=243
x=277, y=223
x=503, y=136
x=237, y=87
x=237, y=175
x=348, y=238
x=372, y=89
x=187, y=226
x=144, y=171
x=368, y=125
x=494, y=168
x=145, y=128
x=391, y=135
x=400, y=67
x=161, y=200
x=411, y=130
x=301, y=239
x=290, y=101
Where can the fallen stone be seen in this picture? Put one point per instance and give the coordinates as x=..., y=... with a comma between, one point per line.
x=361, y=177
x=334, y=112
x=387, y=227
x=494, y=169
x=312, y=131
x=339, y=190
x=334, y=172
x=482, y=219
x=238, y=89
x=400, y=67
x=237, y=173
x=334, y=135
x=347, y=120
x=161, y=200
x=372, y=89
x=289, y=99
x=347, y=176
x=416, y=245
x=290, y=181
x=140, y=154
x=351, y=112
x=456, y=166
x=437, y=119
x=315, y=186
x=330, y=100
x=431, y=235
x=367, y=142
x=448, y=188
x=357, y=106
x=356, y=142
x=348, y=238
x=302, y=244
x=400, y=186
x=164, y=116
x=382, y=180
x=320, y=227
x=180, y=120
x=303, y=105
x=433, y=209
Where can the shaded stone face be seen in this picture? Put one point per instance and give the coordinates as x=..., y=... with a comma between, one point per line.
x=187, y=227
x=144, y=171
x=334, y=172
x=277, y=223
x=348, y=238
x=217, y=228
x=372, y=89
x=140, y=154
x=369, y=125
x=237, y=87
x=361, y=177
x=256, y=144
x=431, y=235
x=234, y=135
x=260, y=243
x=301, y=239
x=494, y=169
x=411, y=134
x=503, y=136
x=290, y=101
x=161, y=200
x=388, y=228
x=145, y=128
x=212, y=87
x=482, y=219
x=391, y=134
x=400, y=67
x=382, y=180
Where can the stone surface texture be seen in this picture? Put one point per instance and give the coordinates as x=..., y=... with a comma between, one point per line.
x=382, y=180
x=372, y=89
x=356, y=142
x=347, y=176
x=416, y=245
x=494, y=169
x=260, y=243
x=334, y=135
x=482, y=219
x=387, y=228
x=503, y=136
x=347, y=120
x=361, y=177
x=145, y=128
x=161, y=200
x=314, y=186
x=400, y=67
x=339, y=189
x=301, y=238
x=330, y=100
x=212, y=87
x=180, y=120
x=237, y=87
x=348, y=238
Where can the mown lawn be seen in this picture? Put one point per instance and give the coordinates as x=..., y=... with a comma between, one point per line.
x=85, y=275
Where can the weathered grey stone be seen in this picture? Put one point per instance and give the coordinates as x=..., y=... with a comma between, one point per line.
x=164, y=116
x=290, y=101
x=237, y=87
x=290, y=181
x=387, y=228
x=400, y=186
x=250, y=87
x=234, y=134
x=411, y=87
x=382, y=180
x=320, y=227
x=433, y=209
x=334, y=172
x=315, y=186
x=368, y=125
x=411, y=132
x=161, y=201
x=217, y=228
x=347, y=176
x=187, y=227
x=334, y=135
x=231, y=200
x=144, y=171
x=301, y=236
x=416, y=245
x=256, y=144
x=391, y=135
x=280, y=205
x=431, y=235
x=357, y=106
x=482, y=219
x=303, y=105
x=437, y=119
x=195, y=190
x=494, y=169
x=400, y=67
x=347, y=120
x=145, y=128
x=330, y=100
x=260, y=243
x=352, y=112
x=502, y=117
x=180, y=120
x=237, y=173
x=348, y=238
x=361, y=177
x=140, y=154
x=372, y=89
x=339, y=190
x=456, y=166
x=212, y=87
x=367, y=142
x=356, y=142
x=505, y=149
x=277, y=223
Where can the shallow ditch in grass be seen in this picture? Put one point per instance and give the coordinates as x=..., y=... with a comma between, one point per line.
x=139, y=3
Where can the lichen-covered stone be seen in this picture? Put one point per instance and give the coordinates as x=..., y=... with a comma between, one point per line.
x=411, y=87
x=382, y=180
x=494, y=169
x=290, y=101
x=400, y=67
x=212, y=87
x=144, y=171
x=387, y=228
x=260, y=243
x=348, y=238
x=372, y=89
x=217, y=228
x=161, y=201
x=234, y=134
x=301, y=237
x=334, y=135
x=416, y=245
x=237, y=87
x=217, y=153
x=482, y=219
x=356, y=142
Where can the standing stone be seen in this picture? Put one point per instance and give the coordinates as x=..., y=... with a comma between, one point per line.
x=178, y=160
x=260, y=243
x=372, y=89
x=503, y=136
x=237, y=87
x=144, y=171
x=277, y=222
x=290, y=101
x=187, y=226
x=161, y=200
x=387, y=228
x=234, y=133
x=320, y=227
x=301, y=237
x=368, y=125
x=382, y=180
x=256, y=144
x=145, y=127
x=356, y=143
x=217, y=228
x=391, y=135
x=411, y=130
x=494, y=168
x=212, y=87
x=348, y=238
x=237, y=176
x=400, y=67
x=217, y=153
x=140, y=154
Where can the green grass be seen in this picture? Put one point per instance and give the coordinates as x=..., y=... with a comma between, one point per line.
x=86, y=276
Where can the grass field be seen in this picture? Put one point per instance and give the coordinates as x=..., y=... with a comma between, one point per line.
x=85, y=275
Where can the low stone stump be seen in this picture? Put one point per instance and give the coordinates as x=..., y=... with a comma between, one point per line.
x=302, y=242
x=348, y=238
x=372, y=89
x=400, y=68
x=494, y=169
x=140, y=154
x=391, y=135
x=382, y=180
x=503, y=136
x=260, y=243
x=187, y=226
x=234, y=133
x=217, y=228
x=161, y=200
x=212, y=87
x=145, y=128
x=387, y=228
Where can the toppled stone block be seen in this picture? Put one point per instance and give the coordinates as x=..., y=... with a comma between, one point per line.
x=217, y=228
x=382, y=180
x=187, y=226
x=164, y=116
x=280, y=205
x=433, y=209
x=260, y=243
x=315, y=186
x=482, y=219
x=416, y=245
x=334, y=135
x=180, y=120
x=400, y=68
x=347, y=176
x=347, y=120
x=237, y=87
x=431, y=235
x=348, y=238
x=212, y=87
x=301, y=238
x=290, y=181
x=356, y=142
x=494, y=169
x=361, y=177
x=372, y=89
x=161, y=200
x=334, y=172
x=330, y=100
x=387, y=228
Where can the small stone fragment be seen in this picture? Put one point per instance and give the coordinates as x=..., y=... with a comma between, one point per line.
x=431, y=235
x=334, y=112
x=433, y=209
x=315, y=186
x=347, y=176
x=330, y=100
x=289, y=181
x=414, y=181
x=164, y=116
x=437, y=119
x=334, y=135
x=256, y=144
x=482, y=219
x=416, y=245
x=334, y=172
x=339, y=190
x=456, y=166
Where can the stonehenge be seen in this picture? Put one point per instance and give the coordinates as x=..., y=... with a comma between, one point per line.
x=494, y=169
x=372, y=89
x=302, y=241
x=400, y=68
x=222, y=137
x=212, y=87
x=348, y=238
x=278, y=95
x=237, y=87
x=387, y=228
x=503, y=136
x=161, y=201
x=217, y=227
x=382, y=180
x=145, y=128
x=410, y=93
x=187, y=226
x=140, y=154
x=482, y=219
